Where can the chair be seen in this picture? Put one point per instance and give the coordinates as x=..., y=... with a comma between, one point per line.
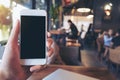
x=70, y=55
x=73, y=42
x=114, y=57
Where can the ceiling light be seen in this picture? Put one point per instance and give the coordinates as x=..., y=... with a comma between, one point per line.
x=107, y=7
x=83, y=10
x=110, y=4
x=90, y=16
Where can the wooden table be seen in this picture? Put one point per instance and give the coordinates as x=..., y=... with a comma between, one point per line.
x=100, y=73
x=56, y=32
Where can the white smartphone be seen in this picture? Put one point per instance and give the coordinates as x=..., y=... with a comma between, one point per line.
x=33, y=37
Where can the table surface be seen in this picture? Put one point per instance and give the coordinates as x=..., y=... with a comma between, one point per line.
x=57, y=32
x=96, y=72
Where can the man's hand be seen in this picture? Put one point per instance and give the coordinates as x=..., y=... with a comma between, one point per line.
x=10, y=68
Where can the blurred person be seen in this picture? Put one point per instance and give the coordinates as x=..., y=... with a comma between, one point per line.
x=55, y=57
x=100, y=43
x=100, y=40
x=74, y=31
x=107, y=41
x=116, y=40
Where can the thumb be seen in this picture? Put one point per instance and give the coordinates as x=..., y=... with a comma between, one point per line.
x=36, y=68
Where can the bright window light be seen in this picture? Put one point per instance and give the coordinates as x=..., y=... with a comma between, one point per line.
x=6, y=3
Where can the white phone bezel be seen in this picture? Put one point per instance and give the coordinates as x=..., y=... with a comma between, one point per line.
x=29, y=12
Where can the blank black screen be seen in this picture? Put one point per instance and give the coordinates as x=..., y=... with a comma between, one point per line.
x=32, y=37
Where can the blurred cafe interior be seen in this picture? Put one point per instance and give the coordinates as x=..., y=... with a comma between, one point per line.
x=86, y=32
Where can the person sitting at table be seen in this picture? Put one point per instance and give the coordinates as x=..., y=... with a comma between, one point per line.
x=10, y=68
x=55, y=58
x=116, y=40
x=100, y=43
x=107, y=41
x=74, y=31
